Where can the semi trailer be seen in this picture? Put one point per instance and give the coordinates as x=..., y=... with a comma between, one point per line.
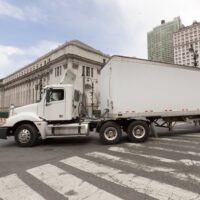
x=136, y=95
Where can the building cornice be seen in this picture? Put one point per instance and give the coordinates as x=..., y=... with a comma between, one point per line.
x=61, y=47
x=187, y=27
x=47, y=69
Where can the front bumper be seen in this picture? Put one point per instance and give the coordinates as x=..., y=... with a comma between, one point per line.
x=3, y=132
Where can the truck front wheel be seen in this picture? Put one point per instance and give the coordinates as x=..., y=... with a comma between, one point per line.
x=110, y=133
x=138, y=131
x=26, y=135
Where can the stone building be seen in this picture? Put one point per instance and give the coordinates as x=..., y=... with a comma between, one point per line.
x=183, y=39
x=160, y=41
x=25, y=85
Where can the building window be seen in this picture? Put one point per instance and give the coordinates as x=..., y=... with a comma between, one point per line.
x=60, y=70
x=83, y=70
x=87, y=71
x=92, y=72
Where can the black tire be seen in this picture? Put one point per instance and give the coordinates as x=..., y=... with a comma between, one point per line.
x=26, y=135
x=110, y=133
x=138, y=131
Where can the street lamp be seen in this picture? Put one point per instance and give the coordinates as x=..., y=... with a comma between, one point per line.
x=195, y=54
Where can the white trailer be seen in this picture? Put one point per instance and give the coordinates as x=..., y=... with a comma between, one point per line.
x=142, y=91
x=134, y=87
x=135, y=93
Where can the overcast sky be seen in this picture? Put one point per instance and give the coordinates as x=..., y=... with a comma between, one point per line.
x=30, y=28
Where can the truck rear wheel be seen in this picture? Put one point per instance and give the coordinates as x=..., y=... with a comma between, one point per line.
x=26, y=135
x=138, y=131
x=110, y=133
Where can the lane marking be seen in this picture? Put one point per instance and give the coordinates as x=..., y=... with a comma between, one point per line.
x=165, y=149
x=174, y=140
x=129, y=162
x=127, y=151
x=13, y=188
x=176, y=145
x=69, y=185
x=187, y=162
x=190, y=136
x=140, y=184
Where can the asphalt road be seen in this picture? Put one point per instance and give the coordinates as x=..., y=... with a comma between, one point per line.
x=166, y=167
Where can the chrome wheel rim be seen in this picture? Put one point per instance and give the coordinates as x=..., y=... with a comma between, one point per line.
x=110, y=133
x=138, y=131
x=24, y=136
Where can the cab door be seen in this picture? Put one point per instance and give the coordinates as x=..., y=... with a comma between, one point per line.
x=55, y=104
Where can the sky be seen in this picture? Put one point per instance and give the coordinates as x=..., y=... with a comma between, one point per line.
x=31, y=28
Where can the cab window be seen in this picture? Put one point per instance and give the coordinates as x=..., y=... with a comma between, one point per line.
x=55, y=95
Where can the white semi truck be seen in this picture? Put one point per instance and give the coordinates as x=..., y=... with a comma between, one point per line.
x=135, y=94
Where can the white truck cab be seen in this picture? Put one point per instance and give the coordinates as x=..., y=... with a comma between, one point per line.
x=59, y=103
x=56, y=115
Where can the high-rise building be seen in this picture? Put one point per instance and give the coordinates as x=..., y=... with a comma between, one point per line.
x=160, y=41
x=187, y=43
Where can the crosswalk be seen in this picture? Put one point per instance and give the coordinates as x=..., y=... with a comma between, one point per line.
x=12, y=187
x=162, y=168
x=67, y=184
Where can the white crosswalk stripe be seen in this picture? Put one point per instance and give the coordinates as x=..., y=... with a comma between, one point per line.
x=175, y=145
x=13, y=188
x=140, y=184
x=172, y=172
x=166, y=149
x=172, y=165
x=187, y=162
x=69, y=185
x=129, y=162
x=177, y=140
x=197, y=135
x=141, y=154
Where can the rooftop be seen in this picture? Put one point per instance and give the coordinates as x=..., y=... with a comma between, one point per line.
x=72, y=42
x=183, y=28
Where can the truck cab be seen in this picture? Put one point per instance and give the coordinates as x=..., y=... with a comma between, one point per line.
x=59, y=103
x=56, y=115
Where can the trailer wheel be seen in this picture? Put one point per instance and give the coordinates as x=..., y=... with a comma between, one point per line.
x=110, y=133
x=138, y=131
x=26, y=135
